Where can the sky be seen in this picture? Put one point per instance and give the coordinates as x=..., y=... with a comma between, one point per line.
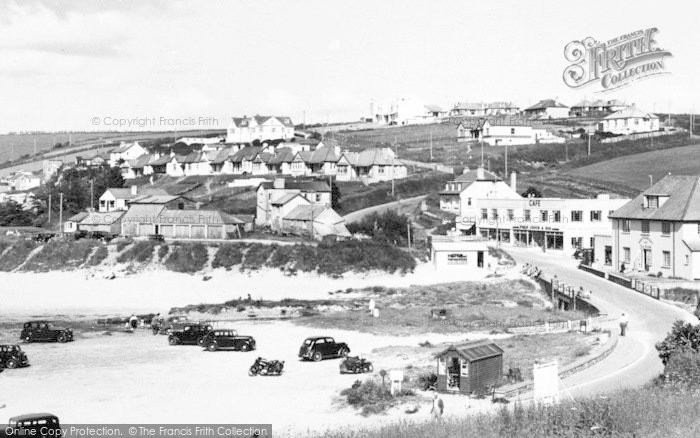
x=93, y=65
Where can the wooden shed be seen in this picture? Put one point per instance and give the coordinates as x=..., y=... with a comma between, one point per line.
x=469, y=367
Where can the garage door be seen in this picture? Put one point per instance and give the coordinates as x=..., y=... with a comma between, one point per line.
x=215, y=232
x=145, y=229
x=166, y=230
x=198, y=232
x=128, y=229
x=182, y=231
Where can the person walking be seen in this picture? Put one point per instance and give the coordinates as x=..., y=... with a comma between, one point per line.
x=624, y=320
x=155, y=323
x=438, y=407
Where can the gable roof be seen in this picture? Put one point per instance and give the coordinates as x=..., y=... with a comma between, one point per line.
x=286, y=198
x=376, y=156
x=324, y=154
x=307, y=212
x=102, y=218
x=434, y=108
x=78, y=217
x=282, y=155
x=156, y=199
x=303, y=186
x=197, y=217
x=246, y=153
x=244, y=122
x=125, y=147
x=122, y=193
x=683, y=203
x=475, y=350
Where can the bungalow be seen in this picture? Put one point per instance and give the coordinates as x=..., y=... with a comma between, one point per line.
x=137, y=167
x=126, y=151
x=324, y=160
x=118, y=199
x=261, y=164
x=175, y=166
x=547, y=108
x=97, y=159
x=374, y=165
x=510, y=132
x=196, y=163
x=316, y=221
x=629, y=121
x=102, y=222
x=157, y=166
x=71, y=225
x=24, y=180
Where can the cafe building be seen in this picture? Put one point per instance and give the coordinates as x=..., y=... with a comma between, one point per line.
x=553, y=224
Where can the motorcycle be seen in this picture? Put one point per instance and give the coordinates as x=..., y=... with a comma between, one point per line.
x=266, y=367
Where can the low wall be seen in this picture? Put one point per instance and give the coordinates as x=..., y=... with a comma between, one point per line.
x=630, y=283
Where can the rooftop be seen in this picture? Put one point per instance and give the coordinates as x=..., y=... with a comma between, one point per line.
x=683, y=203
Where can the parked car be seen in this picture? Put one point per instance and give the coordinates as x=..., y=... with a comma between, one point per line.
x=101, y=235
x=44, y=331
x=266, y=367
x=189, y=334
x=354, y=364
x=79, y=234
x=44, y=237
x=34, y=425
x=228, y=339
x=322, y=347
x=156, y=237
x=12, y=356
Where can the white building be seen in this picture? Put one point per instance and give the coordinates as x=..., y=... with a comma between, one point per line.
x=405, y=111
x=479, y=109
x=629, y=121
x=502, y=132
x=547, y=109
x=126, y=151
x=276, y=198
x=461, y=253
x=247, y=129
x=549, y=223
x=658, y=231
x=24, y=180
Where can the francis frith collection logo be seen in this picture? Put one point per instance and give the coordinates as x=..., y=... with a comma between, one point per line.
x=614, y=63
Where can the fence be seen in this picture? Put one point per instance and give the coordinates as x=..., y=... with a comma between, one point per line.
x=630, y=283
x=637, y=136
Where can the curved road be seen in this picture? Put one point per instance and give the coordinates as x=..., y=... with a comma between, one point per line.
x=403, y=204
x=634, y=361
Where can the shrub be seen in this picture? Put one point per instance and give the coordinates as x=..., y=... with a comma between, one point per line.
x=427, y=381
x=684, y=337
x=141, y=252
x=188, y=257
x=228, y=255
x=98, y=256
x=163, y=251
x=61, y=254
x=123, y=243
x=683, y=369
x=257, y=255
x=16, y=254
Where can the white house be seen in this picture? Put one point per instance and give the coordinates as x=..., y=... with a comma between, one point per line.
x=118, y=199
x=270, y=192
x=371, y=165
x=315, y=221
x=503, y=132
x=247, y=129
x=629, y=121
x=548, y=109
x=23, y=180
x=126, y=151
x=405, y=111
x=659, y=230
x=478, y=109
x=461, y=253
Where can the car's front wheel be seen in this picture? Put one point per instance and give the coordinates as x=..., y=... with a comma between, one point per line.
x=343, y=352
x=200, y=341
x=173, y=341
x=211, y=347
x=28, y=339
x=245, y=347
x=62, y=338
x=317, y=356
x=11, y=363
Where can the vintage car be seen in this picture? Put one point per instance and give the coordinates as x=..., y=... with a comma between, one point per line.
x=44, y=237
x=156, y=237
x=322, y=347
x=12, y=356
x=221, y=339
x=44, y=331
x=189, y=334
x=34, y=425
x=355, y=365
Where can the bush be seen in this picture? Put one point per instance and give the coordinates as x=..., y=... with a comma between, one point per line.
x=228, y=255
x=683, y=369
x=141, y=252
x=16, y=254
x=370, y=396
x=163, y=251
x=188, y=257
x=257, y=255
x=388, y=226
x=123, y=243
x=427, y=381
x=684, y=337
x=61, y=254
x=98, y=256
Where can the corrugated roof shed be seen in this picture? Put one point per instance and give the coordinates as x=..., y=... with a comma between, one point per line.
x=475, y=350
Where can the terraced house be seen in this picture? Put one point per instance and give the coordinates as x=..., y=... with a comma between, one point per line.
x=659, y=230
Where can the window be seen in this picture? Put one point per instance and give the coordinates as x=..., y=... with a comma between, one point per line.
x=557, y=215
x=687, y=259
x=667, y=259
x=494, y=213
x=512, y=131
x=595, y=215
x=626, y=255
x=665, y=228
x=576, y=216
x=510, y=214
x=484, y=213
x=625, y=225
x=544, y=215
x=576, y=242
x=469, y=201
x=653, y=201
x=318, y=197
x=645, y=227
x=526, y=213
x=592, y=242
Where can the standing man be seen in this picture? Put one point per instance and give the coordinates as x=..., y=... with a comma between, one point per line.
x=133, y=322
x=623, y=324
x=438, y=407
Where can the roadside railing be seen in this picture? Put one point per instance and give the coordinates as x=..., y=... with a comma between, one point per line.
x=630, y=283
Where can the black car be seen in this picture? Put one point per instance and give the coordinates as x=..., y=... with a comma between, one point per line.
x=44, y=331
x=34, y=425
x=156, y=237
x=322, y=347
x=101, y=235
x=189, y=334
x=12, y=356
x=79, y=234
x=228, y=339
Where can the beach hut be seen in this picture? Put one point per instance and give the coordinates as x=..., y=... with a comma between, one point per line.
x=469, y=367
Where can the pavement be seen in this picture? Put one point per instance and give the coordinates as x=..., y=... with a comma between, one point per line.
x=634, y=362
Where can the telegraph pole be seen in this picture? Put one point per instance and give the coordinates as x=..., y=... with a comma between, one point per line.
x=505, y=177
x=408, y=229
x=589, y=144
x=35, y=146
x=431, y=145
x=92, y=194
x=60, y=213
x=49, y=209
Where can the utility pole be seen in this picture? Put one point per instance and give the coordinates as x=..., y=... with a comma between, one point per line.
x=92, y=193
x=505, y=177
x=35, y=146
x=431, y=145
x=589, y=144
x=566, y=152
x=303, y=123
x=12, y=151
x=408, y=236
x=482, y=152
x=49, y=209
x=60, y=213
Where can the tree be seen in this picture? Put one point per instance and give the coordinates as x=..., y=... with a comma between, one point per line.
x=13, y=215
x=683, y=338
x=532, y=192
x=335, y=196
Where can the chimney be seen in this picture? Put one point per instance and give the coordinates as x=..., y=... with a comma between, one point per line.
x=480, y=173
x=279, y=183
x=466, y=169
x=134, y=190
x=513, y=181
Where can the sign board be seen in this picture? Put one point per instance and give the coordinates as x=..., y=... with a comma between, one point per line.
x=395, y=377
x=456, y=259
x=546, y=382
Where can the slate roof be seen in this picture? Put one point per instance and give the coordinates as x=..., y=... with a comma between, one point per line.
x=683, y=203
x=243, y=122
x=306, y=212
x=104, y=218
x=285, y=198
x=78, y=217
x=196, y=217
x=155, y=199
x=434, y=108
x=125, y=147
x=282, y=155
x=475, y=350
x=164, y=159
x=631, y=112
x=324, y=154
x=371, y=157
x=304, y=186
x=247, y=153
x=122, y=193
x=140, y=162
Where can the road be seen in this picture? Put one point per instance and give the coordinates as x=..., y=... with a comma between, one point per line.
x=401, y=205
x=634, y=361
